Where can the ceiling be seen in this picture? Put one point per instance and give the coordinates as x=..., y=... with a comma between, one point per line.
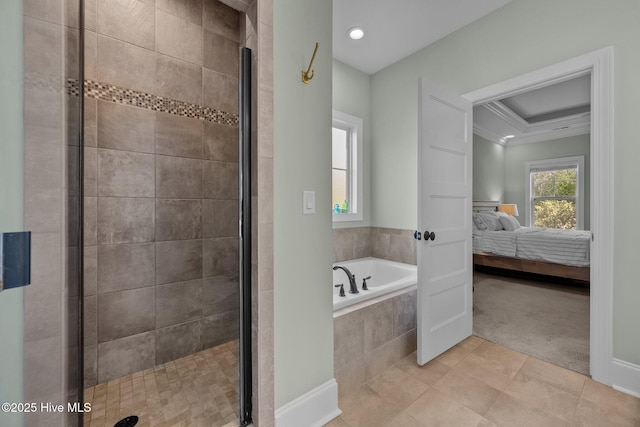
x=395, y=29
x=552, y=112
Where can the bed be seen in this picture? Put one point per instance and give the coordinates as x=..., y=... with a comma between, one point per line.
x=551, y=252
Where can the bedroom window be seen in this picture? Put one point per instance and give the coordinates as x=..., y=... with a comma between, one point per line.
x=555, y=192
x=346, y=167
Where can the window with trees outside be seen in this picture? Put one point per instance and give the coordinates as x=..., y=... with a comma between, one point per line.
x=555, y=193
x=346, y=167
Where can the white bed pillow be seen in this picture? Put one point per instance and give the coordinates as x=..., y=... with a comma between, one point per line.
x=491, y=220
x=509, y=223
x=478, y=222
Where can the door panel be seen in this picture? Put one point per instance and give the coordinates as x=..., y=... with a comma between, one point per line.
x=444, y=191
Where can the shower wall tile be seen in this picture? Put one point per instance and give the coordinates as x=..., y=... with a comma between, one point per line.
x=220, y=294
x=221, y=257
x=124, y=267
x=191, y=10
x=121, y=314
x=179, y=136
x=40, y=380
x=178, y=303
x=50, y=10
x=161, y=181
x=178, y=219
x=91, y=320
x=90, y=365
x=90, y=55
x=178, y=341
x=125, y=356
x=90, y=172
x=219, y=218
x=90, y=266
x=179, y=38
x=221, y=19
x=177, y=79
x=131, y=21
x=42, y=298
x=42, y=45
x=125, y=65
x=221, y=179
x=121, y=127
x=125, y=174
x=91, y=14
x=178, y=261
x=220, y=328
x=90, y=122
x=220, y=142
x=216, y=47
x=178, y=178
x=90, y=221
x=220, y=91
x=42, y=102
x=123, y=220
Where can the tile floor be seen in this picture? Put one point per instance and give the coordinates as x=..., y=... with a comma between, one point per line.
x=479, y=383
x=196, y=390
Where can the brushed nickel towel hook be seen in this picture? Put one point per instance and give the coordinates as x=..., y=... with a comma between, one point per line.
x=306, y=77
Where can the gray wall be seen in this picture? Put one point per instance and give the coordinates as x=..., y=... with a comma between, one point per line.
x=161, y=186
x=540, y=33
x=12, y=194
x=498, y=172
x=517, y=156
x=488, y=169
x=352, y=95
x=303, y=306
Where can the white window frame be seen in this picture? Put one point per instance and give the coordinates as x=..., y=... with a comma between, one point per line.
x=353, y=125
x=555, y=164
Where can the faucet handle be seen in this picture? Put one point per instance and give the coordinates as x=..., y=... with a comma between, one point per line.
x=364, y=283
x=341, y=286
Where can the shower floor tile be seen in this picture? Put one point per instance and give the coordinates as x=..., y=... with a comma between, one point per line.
x=196, y=390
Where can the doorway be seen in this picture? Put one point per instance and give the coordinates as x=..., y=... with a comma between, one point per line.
x=599, y=64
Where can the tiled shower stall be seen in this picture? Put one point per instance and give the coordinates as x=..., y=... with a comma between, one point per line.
x=161, y=183
x=160, y=229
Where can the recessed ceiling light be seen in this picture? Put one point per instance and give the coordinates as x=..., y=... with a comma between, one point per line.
x=508, y=136
x=356, y=33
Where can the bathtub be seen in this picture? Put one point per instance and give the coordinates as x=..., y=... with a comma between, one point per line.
x=386, y=277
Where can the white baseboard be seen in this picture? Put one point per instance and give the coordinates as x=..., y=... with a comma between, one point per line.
x=313, y=409
x=625, y=377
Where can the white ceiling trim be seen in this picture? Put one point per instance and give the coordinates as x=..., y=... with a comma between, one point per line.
x=548, y=135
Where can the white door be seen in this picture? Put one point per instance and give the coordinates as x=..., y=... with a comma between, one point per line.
x=445, y=269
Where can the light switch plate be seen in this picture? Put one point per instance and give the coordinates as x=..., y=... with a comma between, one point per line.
x=308, y=202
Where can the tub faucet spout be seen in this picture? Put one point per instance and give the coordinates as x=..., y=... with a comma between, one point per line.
x=353, y=288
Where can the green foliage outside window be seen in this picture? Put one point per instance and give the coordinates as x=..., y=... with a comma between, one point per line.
x=554, y=194
x=555, y=214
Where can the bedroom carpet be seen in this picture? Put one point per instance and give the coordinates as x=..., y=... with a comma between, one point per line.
x=546, y=321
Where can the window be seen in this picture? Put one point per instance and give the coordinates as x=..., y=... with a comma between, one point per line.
x=555, y=193
x=346, y=167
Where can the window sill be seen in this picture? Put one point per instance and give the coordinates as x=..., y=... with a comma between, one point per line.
x=347, y=217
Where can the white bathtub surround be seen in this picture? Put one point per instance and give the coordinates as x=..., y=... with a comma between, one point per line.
x=385, y=277
x=314, y=409
x=373, y=334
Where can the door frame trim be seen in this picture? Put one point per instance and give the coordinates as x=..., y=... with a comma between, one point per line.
x=600, y=65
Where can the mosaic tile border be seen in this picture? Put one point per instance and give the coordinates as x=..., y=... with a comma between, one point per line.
x=119, y=95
